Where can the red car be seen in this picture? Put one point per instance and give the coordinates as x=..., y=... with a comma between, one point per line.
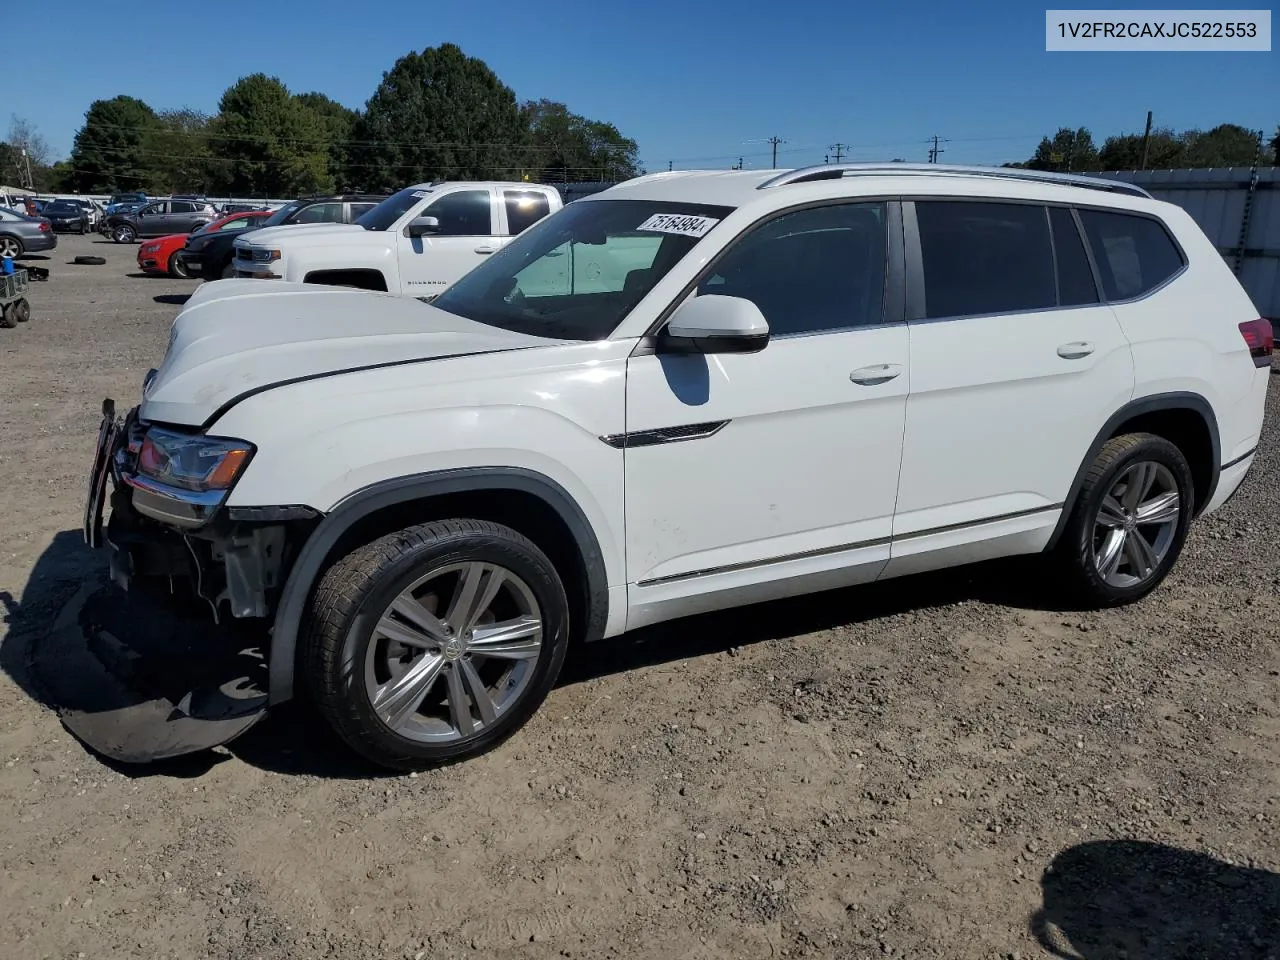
x=159, y=256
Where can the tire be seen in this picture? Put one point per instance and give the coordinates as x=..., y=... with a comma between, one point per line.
x=350, y=661
x=89, y=261
x=124, y=233
x=8, y=317
x=228, y=271
x=176, y=268
x=10, y=247
x=84, y=228
x=21, y=310
x=1104, y=523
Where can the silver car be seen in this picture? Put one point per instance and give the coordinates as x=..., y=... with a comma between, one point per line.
x=21, y=234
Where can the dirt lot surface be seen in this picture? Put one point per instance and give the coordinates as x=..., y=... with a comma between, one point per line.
x=947, y=766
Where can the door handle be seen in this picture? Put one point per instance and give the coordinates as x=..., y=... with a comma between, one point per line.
x=1075, y=350
x=484, y=249
x=875, y=374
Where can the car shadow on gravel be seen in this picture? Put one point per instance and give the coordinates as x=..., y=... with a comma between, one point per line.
x=1012, y=583
x=142, y=679
x=149, y=684
x=172, y=299
x=1114, y=899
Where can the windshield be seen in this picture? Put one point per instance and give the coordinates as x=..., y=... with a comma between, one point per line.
x=576, y=274
x=281, y=215
x=385, y=214
x=127, y=198
x=63, y=206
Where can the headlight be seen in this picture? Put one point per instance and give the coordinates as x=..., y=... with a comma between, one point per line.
x=192, y=461
x=265, y=256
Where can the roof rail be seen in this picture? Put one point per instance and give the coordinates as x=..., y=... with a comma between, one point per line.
x=836, y=171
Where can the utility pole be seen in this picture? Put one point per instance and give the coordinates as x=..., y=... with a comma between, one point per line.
x=775, y=140
x=669, y=162
x=935, y=149
x=840, y=149
x=1146, y=142
x=26, y=159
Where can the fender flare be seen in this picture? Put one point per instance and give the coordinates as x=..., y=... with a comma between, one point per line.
x=1134, y=408
x=353, y=508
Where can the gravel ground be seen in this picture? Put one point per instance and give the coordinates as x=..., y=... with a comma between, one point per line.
x=945, y=766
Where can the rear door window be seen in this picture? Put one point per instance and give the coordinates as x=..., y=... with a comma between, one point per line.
x=1134, y=254
x=524, y=209
x=981, y=257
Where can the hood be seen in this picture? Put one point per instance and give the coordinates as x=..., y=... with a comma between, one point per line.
x=234, y=338
x=336, y=234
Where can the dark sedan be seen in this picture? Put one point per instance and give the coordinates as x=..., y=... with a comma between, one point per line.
x=66, y=216
x=21, y=234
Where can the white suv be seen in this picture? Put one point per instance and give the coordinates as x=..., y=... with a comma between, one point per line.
x=691, y=391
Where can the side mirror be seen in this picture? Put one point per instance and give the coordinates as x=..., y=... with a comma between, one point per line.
x=421, y=225
x=715, y=324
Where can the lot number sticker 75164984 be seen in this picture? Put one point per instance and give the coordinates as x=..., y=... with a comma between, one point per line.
x=678, y=223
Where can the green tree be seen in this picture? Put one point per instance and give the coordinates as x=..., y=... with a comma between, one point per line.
x=1068, y=150
x=438, y=114
x=111, y=150
x=1124, y=152
x=178, y=152
x=1226, y=145
x=566, y=147
x=266, y=143
x=1275, y=147
x=9, y=158
x=338, y=123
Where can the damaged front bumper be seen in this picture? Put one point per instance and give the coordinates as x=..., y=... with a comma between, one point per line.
x=146, y=678
x=235, y=558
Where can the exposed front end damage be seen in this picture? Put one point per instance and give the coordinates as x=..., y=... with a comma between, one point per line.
x=193, y=582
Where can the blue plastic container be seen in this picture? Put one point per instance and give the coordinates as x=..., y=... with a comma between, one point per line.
x=6, y=266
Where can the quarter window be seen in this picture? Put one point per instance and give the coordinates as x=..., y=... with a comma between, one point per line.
x=524, y=209
x=1075, y=278
x=1134, y=254
x=464, y=213
x=810, y=271
x=982, y=257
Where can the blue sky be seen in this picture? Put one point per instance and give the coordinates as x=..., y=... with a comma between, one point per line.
x=690, y=81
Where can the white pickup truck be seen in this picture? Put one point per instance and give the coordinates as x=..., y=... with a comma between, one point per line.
x=414, y=243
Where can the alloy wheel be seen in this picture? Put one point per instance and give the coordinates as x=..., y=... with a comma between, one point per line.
x=1136, y=523
x=453, y=652
x=9, y=248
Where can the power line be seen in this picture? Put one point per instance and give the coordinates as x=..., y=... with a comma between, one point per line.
x=839, y=150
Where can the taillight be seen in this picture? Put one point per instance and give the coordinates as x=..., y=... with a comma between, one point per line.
x=44, y=226
x=1260, y=339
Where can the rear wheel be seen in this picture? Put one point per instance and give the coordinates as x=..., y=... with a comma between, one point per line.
x=1129, y=521
x=435, y=643
x=22, y=311
x=8, y=318
x=10, y=247
x=177, y=268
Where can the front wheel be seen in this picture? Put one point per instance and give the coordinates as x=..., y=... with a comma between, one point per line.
x=435, y=643
x=177, y=268
x=1129, y=521
x=21, y=310
x=8, y=316
x=124, y=234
